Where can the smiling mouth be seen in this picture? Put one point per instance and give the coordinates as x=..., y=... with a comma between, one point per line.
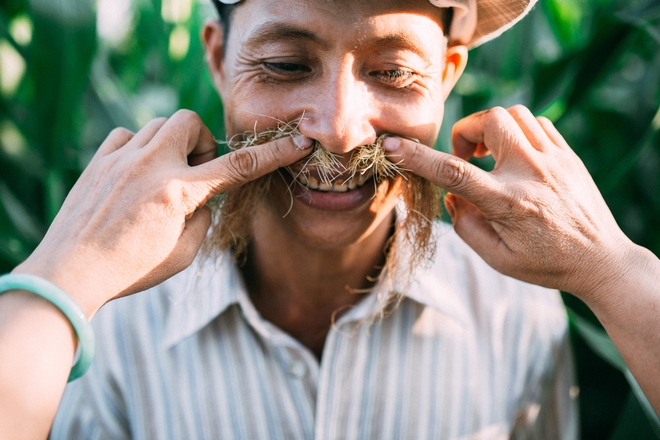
x=337, y=185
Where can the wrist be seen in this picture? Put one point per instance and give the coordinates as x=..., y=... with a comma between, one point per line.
x=630, y=276
x=67, y=306
x=70, y=281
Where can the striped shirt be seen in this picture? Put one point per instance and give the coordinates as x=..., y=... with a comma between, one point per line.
x=467, y=354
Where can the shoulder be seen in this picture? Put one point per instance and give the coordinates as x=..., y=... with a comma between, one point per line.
x=512, y=326
x=485, y=297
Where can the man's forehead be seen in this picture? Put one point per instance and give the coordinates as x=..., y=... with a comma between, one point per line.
x=387, y=24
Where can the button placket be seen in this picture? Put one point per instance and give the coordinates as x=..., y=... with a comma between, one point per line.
x=297, y=368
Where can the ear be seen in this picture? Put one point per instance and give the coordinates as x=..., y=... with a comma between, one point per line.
x=455, y=61
x=214, y=47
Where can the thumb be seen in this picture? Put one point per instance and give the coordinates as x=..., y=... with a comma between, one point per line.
x=241, y=166
x=444, y=170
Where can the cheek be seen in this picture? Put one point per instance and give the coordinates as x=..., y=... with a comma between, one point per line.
x=250, y=110
x=420, y=120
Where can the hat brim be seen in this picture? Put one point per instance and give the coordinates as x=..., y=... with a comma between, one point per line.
x=496, y=16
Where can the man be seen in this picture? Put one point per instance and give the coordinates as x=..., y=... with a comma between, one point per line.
x=303, y=340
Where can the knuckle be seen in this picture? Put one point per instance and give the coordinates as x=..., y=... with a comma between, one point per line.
x=496, y=113
x=416, y=153
x=519, y=110
x=456, y=173
x=243, y=163
x=177, y=197
x=171, y=192
x=278, y=148
x=120, y=132
x=494, y=119
x=543, y=120
x=188, y=117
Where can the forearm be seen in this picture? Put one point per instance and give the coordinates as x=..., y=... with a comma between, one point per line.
x=37, y=346
x=629, y=309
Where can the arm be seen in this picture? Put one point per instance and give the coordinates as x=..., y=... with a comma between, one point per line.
x=539, y=217
x=136, y=216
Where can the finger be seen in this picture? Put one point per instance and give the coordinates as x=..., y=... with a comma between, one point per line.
x=465, y=150
x=183, y=254
x=115, y=140
x=496, y=129
x=194, y=233
x=480, y=151
x=186, y=134
x=147, y=133
x=530, y=127
x=552, y=133
x=195, y=159
x=239, y=167
x=474, y=228
x=445, y=170
x=206, y=148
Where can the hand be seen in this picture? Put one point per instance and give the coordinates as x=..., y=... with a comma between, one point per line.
x=537, y=216
x=137, y=216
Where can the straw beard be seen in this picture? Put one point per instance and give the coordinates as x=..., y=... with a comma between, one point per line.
x=412, y=240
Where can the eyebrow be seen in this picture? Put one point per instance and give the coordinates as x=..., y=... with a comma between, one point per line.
x=270, y=31
x=400, y=40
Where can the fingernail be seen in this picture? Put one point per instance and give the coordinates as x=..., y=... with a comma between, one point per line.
x=391, y=144
x=302, y=142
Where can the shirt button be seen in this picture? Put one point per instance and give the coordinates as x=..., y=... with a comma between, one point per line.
x=297, y=369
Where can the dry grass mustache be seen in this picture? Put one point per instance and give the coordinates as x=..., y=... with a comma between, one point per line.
x=234, y=209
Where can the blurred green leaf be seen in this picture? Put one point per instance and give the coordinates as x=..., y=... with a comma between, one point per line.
x=21, y=221
x=632, y=423
x=567, y=19
x=601, y=343
x=598, y=340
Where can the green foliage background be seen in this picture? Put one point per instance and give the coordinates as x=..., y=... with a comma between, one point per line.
x=591, y=66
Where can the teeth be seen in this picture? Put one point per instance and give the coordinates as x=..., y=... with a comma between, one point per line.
x=325, y=186
x=339, y=185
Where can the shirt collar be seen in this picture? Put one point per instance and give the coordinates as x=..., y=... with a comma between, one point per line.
x=206, y=289
x=209, y=288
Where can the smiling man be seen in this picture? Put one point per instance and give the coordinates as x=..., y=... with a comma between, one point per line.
x=319, y=320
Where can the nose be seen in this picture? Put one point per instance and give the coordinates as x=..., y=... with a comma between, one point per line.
x=341, y=114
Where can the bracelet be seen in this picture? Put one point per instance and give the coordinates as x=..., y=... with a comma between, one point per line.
x=67, y=306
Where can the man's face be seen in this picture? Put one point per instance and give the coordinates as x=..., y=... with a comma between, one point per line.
x=349, y=71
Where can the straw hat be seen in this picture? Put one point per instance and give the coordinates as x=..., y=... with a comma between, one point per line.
x=477, y=21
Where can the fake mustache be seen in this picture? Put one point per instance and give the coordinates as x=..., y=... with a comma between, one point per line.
x=369, y=159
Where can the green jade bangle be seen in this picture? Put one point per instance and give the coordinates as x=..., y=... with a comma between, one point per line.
x=67, y=306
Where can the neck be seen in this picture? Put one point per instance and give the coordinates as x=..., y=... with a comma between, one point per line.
x=302, y=288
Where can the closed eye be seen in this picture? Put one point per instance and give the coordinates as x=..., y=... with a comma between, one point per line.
x=396, y=77
x=287, y=69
